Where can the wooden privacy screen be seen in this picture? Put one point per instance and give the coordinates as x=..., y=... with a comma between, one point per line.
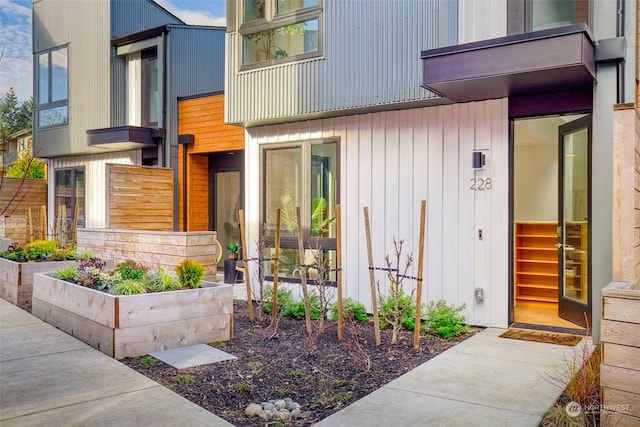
x=17, y=195
x=139, y=198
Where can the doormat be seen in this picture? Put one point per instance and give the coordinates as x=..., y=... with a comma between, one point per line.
x=541, y=336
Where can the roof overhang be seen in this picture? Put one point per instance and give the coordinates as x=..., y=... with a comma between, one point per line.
x=542, y=61
x=125, y=137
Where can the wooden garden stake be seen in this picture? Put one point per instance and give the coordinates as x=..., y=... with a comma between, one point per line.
x=74, y=229
x=276, y=268
x=416, y=329
x=339, y=271
x=43, y=222
x=372, y=279
x=303, y=273
x=30, y=226
x=243, y=242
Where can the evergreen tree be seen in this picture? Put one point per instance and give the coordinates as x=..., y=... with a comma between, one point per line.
x=14, y=117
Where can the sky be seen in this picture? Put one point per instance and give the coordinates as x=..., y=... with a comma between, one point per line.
x=16, y=69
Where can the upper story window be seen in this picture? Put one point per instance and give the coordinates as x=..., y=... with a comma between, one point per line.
x=53, y=87
x=275, y=31
x=533, y=15
x=143, y=87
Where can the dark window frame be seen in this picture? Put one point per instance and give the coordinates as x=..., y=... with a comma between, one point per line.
x=49, y=104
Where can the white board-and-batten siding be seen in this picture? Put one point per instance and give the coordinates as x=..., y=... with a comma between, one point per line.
x=95, y=182
x=390, y=162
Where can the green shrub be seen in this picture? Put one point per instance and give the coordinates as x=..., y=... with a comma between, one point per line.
x=407, y=307
x=350, y=308
x=296, y=309
x=283, y=298
x=40, y=249
x=130, y=269
x=190, y=273
x=128, y=287
x=444, y=320
x=161, y=280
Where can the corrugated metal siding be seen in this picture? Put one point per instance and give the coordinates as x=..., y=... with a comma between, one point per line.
x=196, y=66
x=481, y=20
x=95, y=172
x=371, y=58
x=81, y=26
x=389, y=162
x=129, y=17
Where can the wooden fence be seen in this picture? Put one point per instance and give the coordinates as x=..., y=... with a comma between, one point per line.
x=139, y=198
x=21, y=202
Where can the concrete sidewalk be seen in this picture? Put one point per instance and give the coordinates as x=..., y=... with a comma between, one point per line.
x=48, y=378
x=483, y=381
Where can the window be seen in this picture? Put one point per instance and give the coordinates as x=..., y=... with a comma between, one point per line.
x=304, y=175
x=53, y=88
x=276, y=31
x=529, y=15
x=69, y=192
x=143, y=87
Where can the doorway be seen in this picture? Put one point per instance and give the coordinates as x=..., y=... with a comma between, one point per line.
x=551, y=217
x=226, y=187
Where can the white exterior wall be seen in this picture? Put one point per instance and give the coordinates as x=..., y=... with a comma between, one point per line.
x=389, y=162
x=481, y=20
x=95, y=182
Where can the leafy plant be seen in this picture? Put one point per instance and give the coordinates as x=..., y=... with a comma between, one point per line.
x=128, y=287
x=283, y=298
x=190, y=273
x=183, y=380
x=350, y=308
x=242, y=387
x=406, y=310
x=130, y=269
x=233, y=247
x=67, y=273
x=148, y=361
x=444, y=320
x=161, y=280
x=296, y=309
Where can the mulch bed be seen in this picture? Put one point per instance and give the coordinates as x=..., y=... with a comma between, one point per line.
x=322, y=374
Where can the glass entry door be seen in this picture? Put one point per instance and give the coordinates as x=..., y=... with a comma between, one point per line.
x=574, y=302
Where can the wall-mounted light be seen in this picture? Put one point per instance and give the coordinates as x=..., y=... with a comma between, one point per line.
x=479, y=159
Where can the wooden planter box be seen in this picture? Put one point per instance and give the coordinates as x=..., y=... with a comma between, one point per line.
x=135, y=325
x=620, y=369
x=16, y=279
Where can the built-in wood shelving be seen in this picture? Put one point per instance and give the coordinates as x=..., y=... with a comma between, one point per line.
x=536, y=261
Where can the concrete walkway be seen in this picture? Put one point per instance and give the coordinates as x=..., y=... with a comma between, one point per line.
x=483, y=381
x=48, y=378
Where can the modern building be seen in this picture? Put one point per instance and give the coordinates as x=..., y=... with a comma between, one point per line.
x=499, y=114
x=108, y=75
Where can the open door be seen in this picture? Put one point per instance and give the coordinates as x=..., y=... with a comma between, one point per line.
x=574, y=290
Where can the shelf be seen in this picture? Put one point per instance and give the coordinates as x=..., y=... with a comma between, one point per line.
x=536, y=261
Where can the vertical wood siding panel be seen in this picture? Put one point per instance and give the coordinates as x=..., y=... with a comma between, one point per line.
x=365, y=196
x=466, y=225
x=408, y=208
x=482, y=214
x=434, y=220
x=420, y=187
x=499, y=211
x=350, y=194
x=392, y=185
x=451, y=219
x=379, y=195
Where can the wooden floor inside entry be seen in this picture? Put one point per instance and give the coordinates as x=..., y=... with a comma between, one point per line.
x=540, y=313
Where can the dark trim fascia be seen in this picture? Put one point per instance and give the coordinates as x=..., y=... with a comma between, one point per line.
x=201, y=95
x=507, y=40
x=133, y=136
x=142, y=35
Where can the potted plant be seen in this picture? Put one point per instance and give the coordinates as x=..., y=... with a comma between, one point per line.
x=133, y=309
x=18, y=264
x=233, y=250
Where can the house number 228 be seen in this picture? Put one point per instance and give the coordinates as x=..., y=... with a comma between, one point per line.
x=480, y=184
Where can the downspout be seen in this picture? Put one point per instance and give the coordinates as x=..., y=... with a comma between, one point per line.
x=166, y=152
x=620, y=63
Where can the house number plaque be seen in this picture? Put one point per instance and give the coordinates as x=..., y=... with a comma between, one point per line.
x=481, y=184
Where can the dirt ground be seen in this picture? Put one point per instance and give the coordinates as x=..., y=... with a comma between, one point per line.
x=320, y=373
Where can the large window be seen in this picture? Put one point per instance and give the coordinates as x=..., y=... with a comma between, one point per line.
x=533, y=15
x=302, y=176
x=143, y=89
x=280, y=30
x=53, y=88
x=70, y=192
